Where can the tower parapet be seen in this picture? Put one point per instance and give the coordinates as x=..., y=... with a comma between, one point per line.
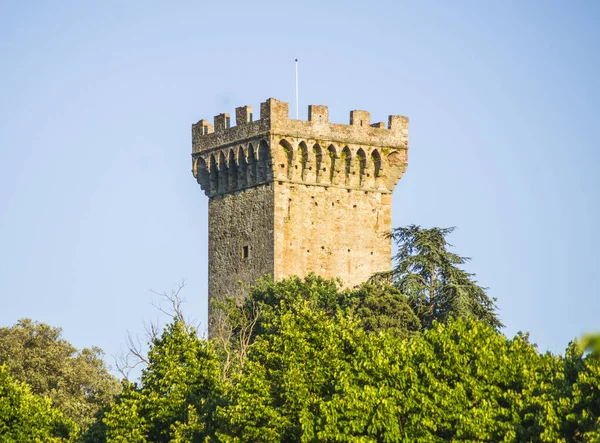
x=316, y=152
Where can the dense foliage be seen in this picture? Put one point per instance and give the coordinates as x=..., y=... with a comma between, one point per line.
x=179, y=393
x=26, y=417
x=77, y=382
x=377, y=305
x=414, y=355
x=311, y=371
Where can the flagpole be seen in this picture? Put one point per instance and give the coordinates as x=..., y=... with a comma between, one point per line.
x=296, y=89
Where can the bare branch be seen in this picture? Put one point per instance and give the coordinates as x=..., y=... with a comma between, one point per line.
x=132, y=358
x=175, y=301
x=135, y=354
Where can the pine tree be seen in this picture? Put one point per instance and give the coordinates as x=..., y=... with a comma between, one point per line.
x=430, y=276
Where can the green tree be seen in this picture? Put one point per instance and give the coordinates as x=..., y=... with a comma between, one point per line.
x=324, y=378
x=275, y=298
x=591, y=343
x=240, y=324
x=287, y=373
x=77, y=381
x=430, y=276
x=377, y=306
x=178, y=395
x=382, y=307
x=581, y=395
x=26, y=418
x=326, y=365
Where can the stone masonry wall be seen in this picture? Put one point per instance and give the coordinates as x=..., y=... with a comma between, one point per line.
x=333, y=232
x=235, y=221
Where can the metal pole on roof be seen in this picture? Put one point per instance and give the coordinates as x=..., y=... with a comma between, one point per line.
x=296, y=89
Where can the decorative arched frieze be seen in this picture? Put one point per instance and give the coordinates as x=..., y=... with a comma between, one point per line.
x=318, y=162
x=223, y=174
x=242, y=166
x=285, y=155
x=361, y=165
x=251, y=169
x=264, y=167
x=377, y=167
x=396, y=165
x=333, y=164
x=346, y=164
x=233, y=171
x=214, y=175
x=302, y=163
x=354, y=167
x=201, y=173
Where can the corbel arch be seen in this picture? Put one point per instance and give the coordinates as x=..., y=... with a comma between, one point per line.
x=377, y=166
x=214, y=175
x=361, y=164
x=251, y=169
x=201, y=174
x=318, y=162
x=233, y=170
x=242, y=166
x=223, y=173
x=346, y=163
x=264, y=162
x=333, y=164
x=302, y=163
x=395, y=167
x=285, y=156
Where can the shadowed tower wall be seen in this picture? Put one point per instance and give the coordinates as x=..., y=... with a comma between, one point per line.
x=291, y=197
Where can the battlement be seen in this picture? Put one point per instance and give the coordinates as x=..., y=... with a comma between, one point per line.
x=360, y=155
x=274, y=118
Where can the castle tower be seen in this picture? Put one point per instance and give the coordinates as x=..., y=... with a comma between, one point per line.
x=289, y=197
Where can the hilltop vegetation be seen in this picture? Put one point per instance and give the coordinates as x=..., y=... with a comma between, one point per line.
x=414, y=355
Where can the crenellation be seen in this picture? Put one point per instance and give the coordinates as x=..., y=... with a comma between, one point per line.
x=318, y=114
x=360, y=118
x=203, y=127
x=398, y=123
x=274, y=118
x=274, y=111
x=243, y=115
x=222, y=122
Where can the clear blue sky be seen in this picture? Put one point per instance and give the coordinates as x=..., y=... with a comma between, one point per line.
x=98, y=204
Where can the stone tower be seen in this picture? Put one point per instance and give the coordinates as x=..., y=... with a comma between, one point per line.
x=289, y=197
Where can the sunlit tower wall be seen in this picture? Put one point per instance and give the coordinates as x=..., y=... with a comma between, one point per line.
x=290, y=197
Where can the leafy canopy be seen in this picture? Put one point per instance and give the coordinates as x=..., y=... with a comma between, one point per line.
x=179, y=392
x=77, y=382
x=25, y=417
x=376, y=306
x=323, y=378
x=313, y=372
